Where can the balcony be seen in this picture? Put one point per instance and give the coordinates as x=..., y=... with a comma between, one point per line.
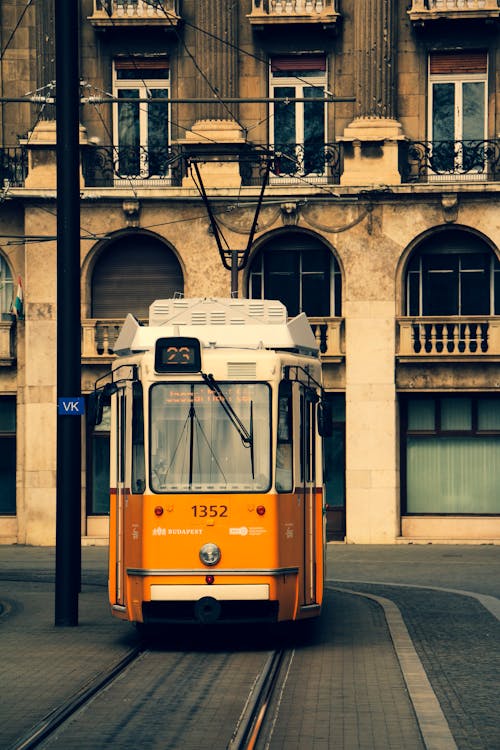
x=13, y=166
x=268, y=13
x=329, y=333
x=425, y=11
x=120, y=14
x=98, y=339
x=452, y=161
x=99, y=336
x=112, y=166
x=7, y=341
x=450, y=339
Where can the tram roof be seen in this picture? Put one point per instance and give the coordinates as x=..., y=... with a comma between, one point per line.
x=219, y=323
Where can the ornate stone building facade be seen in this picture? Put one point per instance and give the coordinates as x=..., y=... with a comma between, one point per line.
x=379, y=121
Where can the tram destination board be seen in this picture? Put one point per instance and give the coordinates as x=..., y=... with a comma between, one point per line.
x=177, y=354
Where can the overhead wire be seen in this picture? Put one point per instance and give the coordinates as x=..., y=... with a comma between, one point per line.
x=197, y=28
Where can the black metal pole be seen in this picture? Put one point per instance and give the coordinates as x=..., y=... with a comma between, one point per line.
x=234, y=273
x=68, y=540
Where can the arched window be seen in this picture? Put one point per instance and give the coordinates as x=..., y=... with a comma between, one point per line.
x=453, y=273
x=6, y=287
x=300, y=271
x=131, y=273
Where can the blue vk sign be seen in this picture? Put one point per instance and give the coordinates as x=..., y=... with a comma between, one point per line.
x=71, y=406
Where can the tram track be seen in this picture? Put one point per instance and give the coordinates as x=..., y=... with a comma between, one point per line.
x=52, y=721
x=256, y=709
x=242, y=731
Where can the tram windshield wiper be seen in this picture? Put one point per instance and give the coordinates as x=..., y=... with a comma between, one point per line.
x=245, y=435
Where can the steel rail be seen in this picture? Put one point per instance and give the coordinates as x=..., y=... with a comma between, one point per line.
x=252, y=717
x=55, y=718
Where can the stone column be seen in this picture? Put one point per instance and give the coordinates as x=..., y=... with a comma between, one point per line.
x=216, y=136
x=217, y=20
x=45, y=51
x=371, y=158
x=375, y=50
x=372, y=138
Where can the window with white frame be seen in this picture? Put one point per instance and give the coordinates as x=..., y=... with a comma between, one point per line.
x=141, y=129
x=458, y=110
x=6, y=287
x=298, y=129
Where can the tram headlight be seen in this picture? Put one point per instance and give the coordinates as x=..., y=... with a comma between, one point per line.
x=210, y=554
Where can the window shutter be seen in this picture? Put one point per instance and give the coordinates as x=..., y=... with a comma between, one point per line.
x=470, y=61
x=298, y=62
x=142, y=63
x=130, y=274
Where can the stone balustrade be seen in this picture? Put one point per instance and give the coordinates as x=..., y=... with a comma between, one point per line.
x=7, y=343
x=329, y=333
x=111, y=12
x=294, y=11
x=448, y=337
x=423, y=10
x=99, y=336
x=465, y=5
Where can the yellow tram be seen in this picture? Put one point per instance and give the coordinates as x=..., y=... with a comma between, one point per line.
x=217, y=508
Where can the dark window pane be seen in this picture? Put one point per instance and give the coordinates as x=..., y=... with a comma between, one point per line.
x=315, y=295
x=475, y=293
x=8, y=475
x=440, y=293
x=314, y=131
x=158, y=134
x=413, y=293
x=337, y=280
x=7, y=414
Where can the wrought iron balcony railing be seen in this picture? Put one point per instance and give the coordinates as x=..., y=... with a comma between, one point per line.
x=13, y=166
x=452, y=161
x=317, y=161
x=119, y=13
x=292, y=163
x=266, y=12
x=449, y=337
x=112, y=166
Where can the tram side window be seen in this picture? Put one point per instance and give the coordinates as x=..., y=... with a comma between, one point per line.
x=98, y=466
x=138, y=465
x=284, y=448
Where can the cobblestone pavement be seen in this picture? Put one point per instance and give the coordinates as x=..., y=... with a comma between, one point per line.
x=343, y=689
x=456, y=638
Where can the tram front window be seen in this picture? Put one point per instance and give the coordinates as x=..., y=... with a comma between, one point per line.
x=199, y=444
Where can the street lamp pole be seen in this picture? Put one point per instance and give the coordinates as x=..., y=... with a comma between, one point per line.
x=68, y=493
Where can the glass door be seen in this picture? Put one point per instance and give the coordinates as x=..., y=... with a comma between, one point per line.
x=457, y=124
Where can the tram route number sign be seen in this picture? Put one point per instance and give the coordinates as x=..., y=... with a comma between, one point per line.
x=71, y=406
x=177, y=354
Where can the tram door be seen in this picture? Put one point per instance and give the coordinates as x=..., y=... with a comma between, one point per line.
x=308, y=489
x=119, y=501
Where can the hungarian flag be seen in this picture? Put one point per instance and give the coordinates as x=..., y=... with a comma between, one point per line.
x=17, y=307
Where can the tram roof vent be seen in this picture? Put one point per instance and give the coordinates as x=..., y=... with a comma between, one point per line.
x=218, y=323
x=215, y=311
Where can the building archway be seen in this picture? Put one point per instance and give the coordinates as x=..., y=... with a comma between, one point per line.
x=453, y=271
x=132, y=271
x=299, y=269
